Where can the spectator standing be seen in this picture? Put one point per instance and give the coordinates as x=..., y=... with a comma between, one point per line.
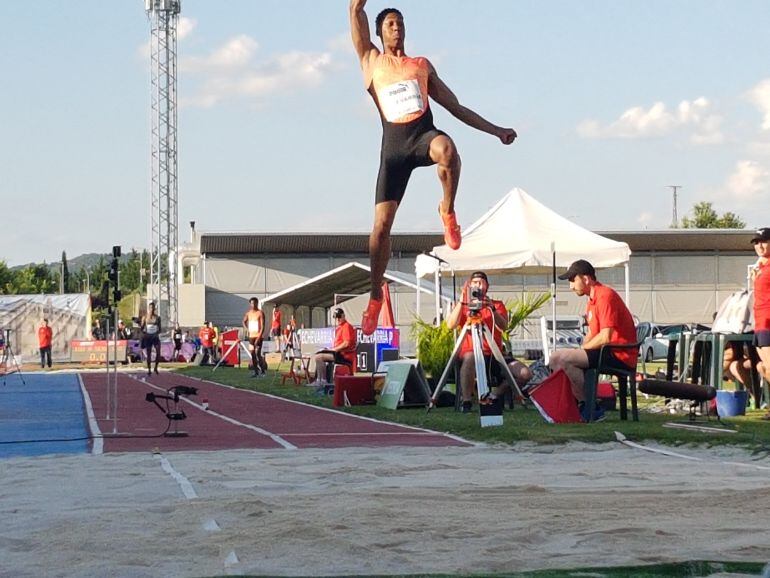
x=44, y=340
x=761, y=278
x=206, y=335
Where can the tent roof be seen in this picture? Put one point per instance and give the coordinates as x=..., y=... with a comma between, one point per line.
x=519, y=235
x=348, y=280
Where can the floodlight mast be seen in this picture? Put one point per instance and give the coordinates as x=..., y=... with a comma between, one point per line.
x=164, y=212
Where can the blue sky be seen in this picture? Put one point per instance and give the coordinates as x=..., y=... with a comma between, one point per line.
x=613, y=100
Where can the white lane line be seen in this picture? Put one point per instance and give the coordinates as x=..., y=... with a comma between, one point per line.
x=622, y=439
x=211, y=525
x=275, y=437
x=334, y=411
x=184, y=483
x=371, y=433
x=97, y=447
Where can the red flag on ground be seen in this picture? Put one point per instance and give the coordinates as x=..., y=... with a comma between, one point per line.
x=386, y=313
x=554, y=400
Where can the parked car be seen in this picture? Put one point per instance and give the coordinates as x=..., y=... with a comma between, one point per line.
x=654, y=338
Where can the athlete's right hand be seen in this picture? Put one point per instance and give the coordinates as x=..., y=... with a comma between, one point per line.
x=507, y=136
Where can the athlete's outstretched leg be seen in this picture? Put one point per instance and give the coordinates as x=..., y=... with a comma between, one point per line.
x=379, y=255
x=444, y=153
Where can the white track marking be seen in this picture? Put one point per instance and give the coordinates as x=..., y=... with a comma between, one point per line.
x=211, y=525
x=334, y=411
x=622, y=439
x=98, y=445
x=184, y=483
x=275, y=437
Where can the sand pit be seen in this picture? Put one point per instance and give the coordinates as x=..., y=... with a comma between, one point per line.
x=364, y=511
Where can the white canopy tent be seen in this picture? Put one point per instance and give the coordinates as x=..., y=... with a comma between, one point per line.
x=521, y=235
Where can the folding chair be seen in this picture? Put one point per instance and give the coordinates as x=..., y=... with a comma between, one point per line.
x=626, y=380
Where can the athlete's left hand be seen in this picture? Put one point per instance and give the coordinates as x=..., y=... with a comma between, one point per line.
x=507, y=136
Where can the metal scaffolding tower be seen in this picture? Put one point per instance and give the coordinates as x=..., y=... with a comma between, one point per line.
x=164, y=213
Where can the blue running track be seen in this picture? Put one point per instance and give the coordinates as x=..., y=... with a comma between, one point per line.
x=49, y=406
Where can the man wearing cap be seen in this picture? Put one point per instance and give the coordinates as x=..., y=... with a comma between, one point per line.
x=495, y=316
x=609, y=321
x=342, y=351
x=760, y=275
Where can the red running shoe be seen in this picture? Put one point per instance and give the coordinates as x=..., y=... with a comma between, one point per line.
x=371, y=316
x=452, y=236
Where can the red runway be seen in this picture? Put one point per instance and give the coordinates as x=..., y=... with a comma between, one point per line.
x=237, y=419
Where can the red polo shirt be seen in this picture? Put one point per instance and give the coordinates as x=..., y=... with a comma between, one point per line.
x=486, y=316
x=44, y=336
x=762, y=297
x=607, y=309
x=346, y=333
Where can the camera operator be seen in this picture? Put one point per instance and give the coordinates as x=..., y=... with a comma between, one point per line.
x=493, y=314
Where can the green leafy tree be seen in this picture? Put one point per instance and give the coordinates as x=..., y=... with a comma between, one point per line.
x=705, y=217
x=34, y=279
x=6, y=278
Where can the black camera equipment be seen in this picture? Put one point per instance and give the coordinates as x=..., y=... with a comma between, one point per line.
x=476, y=302
x=7, y=357
x=174, y=414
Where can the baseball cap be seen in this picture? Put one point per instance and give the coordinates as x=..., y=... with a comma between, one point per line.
x=762, y=234
x=579, y=267
x=338, y=313
x=480, y=275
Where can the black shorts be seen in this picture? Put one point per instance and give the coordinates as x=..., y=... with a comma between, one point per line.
x=150, y=341
x=256, y=342
x=275, y=332
x=609, y=360
x=762, y=338
x=404, y=148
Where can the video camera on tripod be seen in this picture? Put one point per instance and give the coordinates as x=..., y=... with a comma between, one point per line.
x=476, y=302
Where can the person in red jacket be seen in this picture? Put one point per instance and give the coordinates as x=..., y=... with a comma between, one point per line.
x=342, y=351
x=44, y=339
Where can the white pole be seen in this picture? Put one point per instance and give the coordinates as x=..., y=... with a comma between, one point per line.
x=553, y=297
x=437, y=285
x=628, y=284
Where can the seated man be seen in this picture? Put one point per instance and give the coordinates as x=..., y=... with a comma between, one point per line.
x=495, y=316
x=342, y=351
x=609, y=321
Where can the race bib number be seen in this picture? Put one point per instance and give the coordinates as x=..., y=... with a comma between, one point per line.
x=400, y=99
x=151, y=329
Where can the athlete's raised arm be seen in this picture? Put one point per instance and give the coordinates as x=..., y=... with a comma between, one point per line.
x=441, y=93
x=359, y=30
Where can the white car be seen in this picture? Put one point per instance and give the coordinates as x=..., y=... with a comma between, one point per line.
x=654, y=339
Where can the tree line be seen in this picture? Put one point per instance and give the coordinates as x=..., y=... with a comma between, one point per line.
x=58, y=278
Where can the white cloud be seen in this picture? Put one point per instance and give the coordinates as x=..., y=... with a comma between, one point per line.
x=645, y=218
x=658, y=120
x=760, y=97
x=232, y=71
x=185, y=27
x=748, y=181
x=235, y=53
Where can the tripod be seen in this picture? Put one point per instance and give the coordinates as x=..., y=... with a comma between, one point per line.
x=7, y=356
x=230, y=349
x=490, y=414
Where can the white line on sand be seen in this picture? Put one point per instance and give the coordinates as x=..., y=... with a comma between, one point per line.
x=184, y=483
x=98, y=445
x=365, y=418
x=276, y=438
x=622, y=439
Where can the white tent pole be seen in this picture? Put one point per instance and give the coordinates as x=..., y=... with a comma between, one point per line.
x=553, y=297
x=418, y=297
x=628, y=285
x=437, y=283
